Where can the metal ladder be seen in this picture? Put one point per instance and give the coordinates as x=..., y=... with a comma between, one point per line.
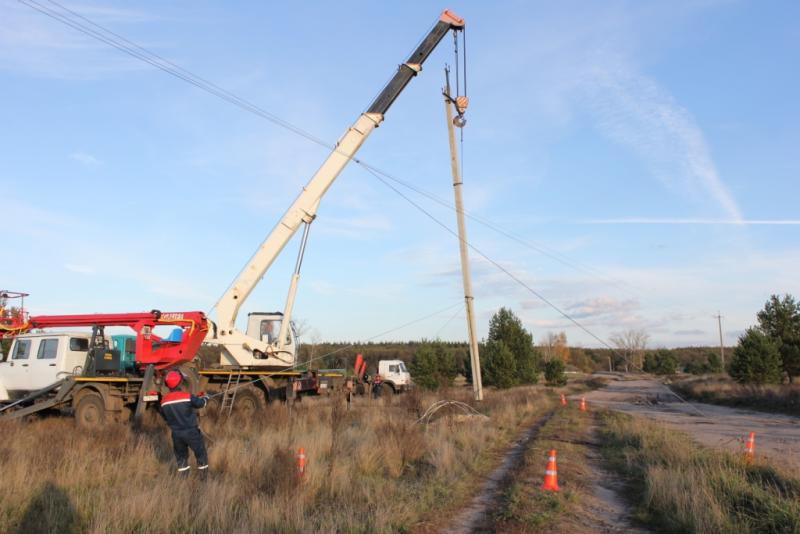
x=229, y=395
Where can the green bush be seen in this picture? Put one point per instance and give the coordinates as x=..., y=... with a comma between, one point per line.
x=554, y=374
x=433, y=366
x=661, y=362
x=756, y=359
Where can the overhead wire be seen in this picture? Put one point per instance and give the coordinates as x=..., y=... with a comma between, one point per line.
x=141, y=53
x=126, y=46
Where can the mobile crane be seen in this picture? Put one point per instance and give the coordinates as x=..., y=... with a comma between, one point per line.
x=269, y=341
x=255, y=365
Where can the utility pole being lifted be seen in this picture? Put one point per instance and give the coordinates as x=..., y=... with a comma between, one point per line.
x=460, y=103
x=721, y=347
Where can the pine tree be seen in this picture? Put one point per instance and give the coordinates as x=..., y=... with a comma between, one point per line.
x=780, y=320
x=756, y=359
x=498, y=365
x=433, y=366
x=506, y=327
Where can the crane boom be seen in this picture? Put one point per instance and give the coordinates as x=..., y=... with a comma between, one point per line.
x=239, y=348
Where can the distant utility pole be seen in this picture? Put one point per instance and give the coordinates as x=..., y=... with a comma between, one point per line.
x=721, y=347
x=475, y=362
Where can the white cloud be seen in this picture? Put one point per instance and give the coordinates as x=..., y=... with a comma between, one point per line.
x=86, y=159
x=80, y=269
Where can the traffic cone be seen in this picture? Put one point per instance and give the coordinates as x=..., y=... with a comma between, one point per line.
x=750, y=447
x=563, y=400
x=551, y=473
x=301, y=461
x=583, y=404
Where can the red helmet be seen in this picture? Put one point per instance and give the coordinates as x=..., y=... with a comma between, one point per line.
x=173, y=379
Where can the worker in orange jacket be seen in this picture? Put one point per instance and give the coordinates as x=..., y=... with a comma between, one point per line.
x=178, y=409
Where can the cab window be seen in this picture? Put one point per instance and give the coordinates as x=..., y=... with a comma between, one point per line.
x=22, y=349
x=78, y=344
x=48, y=348
x=394, y=368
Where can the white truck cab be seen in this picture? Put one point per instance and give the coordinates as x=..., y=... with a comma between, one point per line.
x=36, y=361
x=395, y=374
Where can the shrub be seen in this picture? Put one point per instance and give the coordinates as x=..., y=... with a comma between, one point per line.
x=661, y=362
x=756, y=359
x=554, y=373
x=433, y=366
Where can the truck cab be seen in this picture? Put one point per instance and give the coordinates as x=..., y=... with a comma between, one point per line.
x=395, y=374
x=36, y=361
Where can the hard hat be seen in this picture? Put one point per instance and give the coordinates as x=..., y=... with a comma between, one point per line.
x=173, y=379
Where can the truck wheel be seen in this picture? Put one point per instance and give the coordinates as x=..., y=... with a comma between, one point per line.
x=248, y=402
x=90, y=411
x=386, y=390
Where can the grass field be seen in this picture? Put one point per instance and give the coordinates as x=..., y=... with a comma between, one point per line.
x=721, y=389
x=681, y=487
x=370, y=469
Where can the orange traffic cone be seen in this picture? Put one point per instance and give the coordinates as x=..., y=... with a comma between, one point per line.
x=551, y=473
x=583, y=404
x=750, y=447
x=301, y=461
x=563, y=400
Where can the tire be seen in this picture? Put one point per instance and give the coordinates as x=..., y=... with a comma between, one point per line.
x=386, y=390
x=90, y=412
x=249, y=402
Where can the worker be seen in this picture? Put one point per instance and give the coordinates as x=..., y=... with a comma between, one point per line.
x=178, y=409
x=376, y=386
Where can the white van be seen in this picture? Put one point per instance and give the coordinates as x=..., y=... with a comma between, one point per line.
x=36, y=361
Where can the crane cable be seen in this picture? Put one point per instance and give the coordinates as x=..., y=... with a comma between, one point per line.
x=130, y=48
x=173, y=69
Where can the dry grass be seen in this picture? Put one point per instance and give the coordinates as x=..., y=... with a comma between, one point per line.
x=721, y=389
x=526, y=507
x=682, y=487
x=370, y=469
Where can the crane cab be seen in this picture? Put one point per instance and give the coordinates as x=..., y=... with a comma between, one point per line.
x=266, y=326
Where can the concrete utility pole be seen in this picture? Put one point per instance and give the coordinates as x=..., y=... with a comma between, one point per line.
x=721, y=346
x=475, y=361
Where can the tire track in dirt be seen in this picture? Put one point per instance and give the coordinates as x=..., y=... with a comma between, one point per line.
x=476, y=517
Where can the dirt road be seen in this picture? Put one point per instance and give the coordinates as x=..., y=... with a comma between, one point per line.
x=777, y=436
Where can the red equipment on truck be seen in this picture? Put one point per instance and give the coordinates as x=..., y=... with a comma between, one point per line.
x=101, y=372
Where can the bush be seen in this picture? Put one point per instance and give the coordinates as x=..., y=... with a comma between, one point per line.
x=554, y=373
x=661, y=362
x=756, y=359
x=433, y=366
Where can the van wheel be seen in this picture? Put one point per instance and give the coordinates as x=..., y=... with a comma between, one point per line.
x=90, y=411
x=248, y=403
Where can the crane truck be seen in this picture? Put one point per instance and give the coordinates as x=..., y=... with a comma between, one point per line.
x=253, y=366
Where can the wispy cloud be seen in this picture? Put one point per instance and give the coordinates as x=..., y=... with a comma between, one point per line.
x=86, y=159
x=647, y=220
x=80, y=269
x=637, y=112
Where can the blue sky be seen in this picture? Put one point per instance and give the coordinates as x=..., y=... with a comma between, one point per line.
x=650, y=146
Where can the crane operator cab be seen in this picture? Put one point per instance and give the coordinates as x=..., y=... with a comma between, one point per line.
x=267, y=327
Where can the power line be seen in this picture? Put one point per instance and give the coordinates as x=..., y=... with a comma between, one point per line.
x=141, y=53
x=115, y=40
x=496, y=264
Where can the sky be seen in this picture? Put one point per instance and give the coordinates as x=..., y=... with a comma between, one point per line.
x=639, y=159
